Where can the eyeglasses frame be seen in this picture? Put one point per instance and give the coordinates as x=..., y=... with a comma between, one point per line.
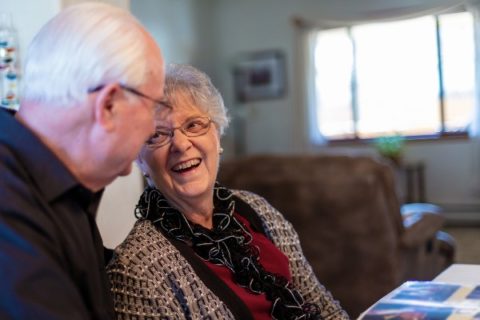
x=186, y=133
x=135, y=92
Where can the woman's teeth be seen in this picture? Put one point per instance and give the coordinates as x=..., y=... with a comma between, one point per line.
x=186, y=165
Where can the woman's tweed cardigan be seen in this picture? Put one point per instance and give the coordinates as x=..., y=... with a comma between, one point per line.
x=150, y=279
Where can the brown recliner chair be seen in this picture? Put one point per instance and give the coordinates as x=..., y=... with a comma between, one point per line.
x=350, y=223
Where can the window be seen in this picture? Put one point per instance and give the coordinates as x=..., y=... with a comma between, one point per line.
x=412, y=77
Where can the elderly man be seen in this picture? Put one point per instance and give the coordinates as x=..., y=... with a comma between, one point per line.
x=92, y=80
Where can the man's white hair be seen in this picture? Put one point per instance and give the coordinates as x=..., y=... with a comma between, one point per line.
x=85, y=46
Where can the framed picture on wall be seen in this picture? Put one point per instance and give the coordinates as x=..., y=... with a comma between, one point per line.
x=259, y=76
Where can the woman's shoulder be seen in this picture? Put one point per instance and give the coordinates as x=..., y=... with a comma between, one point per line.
x=258, y=203
x=271, y=217
x=252, y=199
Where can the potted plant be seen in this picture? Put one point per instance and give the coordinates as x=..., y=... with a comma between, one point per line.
x=391, y=147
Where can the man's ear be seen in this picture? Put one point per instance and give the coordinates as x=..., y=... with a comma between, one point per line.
x=105, y=108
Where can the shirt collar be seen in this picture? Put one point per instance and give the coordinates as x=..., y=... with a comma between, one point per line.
x=88, y=200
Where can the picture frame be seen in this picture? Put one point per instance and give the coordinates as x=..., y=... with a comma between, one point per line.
x=260, y=76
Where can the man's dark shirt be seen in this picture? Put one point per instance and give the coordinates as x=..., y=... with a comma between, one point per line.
x=51, y=253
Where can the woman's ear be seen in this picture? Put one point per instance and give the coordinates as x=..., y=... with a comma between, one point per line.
x=105, y=108
x=142, y=165
x=143, y=168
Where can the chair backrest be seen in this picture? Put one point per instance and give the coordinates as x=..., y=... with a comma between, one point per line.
x=346, y=213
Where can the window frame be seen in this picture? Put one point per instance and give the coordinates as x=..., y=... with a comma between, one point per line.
x=443, y=134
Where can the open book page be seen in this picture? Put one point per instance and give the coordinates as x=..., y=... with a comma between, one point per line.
x=417, y=300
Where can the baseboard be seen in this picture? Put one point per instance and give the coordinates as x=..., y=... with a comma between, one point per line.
x=462, y=219
x=466, y=214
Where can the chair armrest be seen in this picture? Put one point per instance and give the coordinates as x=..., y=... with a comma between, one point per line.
x=421, y=222
x=446, y=246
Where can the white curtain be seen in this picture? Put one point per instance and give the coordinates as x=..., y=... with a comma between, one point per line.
x=307, y=40
x=341, y=13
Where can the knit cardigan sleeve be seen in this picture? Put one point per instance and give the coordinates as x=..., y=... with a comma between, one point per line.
x=285, y=238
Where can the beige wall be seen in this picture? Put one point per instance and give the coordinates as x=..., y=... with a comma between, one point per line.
x=116, y=213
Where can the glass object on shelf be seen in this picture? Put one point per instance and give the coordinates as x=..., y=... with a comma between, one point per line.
x=9, y=98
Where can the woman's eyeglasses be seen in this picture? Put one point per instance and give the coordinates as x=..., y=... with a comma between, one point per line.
x=193, y=127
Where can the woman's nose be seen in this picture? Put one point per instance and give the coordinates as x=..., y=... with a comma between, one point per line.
x=180, y=142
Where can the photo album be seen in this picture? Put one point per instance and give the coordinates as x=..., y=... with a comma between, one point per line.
x=417, y=300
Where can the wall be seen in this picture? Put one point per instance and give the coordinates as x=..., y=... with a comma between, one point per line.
x=125, y=4
x=181, y=28
x=115, y=216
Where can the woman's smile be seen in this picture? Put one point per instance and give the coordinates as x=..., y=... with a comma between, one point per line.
x=186, y=166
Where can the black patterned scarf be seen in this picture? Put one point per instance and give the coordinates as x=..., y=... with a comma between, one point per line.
x=228, y=244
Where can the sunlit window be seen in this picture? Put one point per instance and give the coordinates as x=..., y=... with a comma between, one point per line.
x=412, y=77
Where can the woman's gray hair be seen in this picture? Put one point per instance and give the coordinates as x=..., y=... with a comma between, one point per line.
x=83, y=47
x=198, y=86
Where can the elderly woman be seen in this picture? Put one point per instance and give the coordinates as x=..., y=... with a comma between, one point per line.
x=200, y=250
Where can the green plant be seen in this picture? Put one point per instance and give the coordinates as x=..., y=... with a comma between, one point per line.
x=390, y=146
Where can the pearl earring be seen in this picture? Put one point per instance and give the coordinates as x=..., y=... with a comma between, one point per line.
x=220, y=151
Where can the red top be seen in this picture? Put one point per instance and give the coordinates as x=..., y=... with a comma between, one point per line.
x=272, y=259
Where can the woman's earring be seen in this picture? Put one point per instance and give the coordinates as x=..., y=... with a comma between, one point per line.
x=220, y=151
x=145, y=175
